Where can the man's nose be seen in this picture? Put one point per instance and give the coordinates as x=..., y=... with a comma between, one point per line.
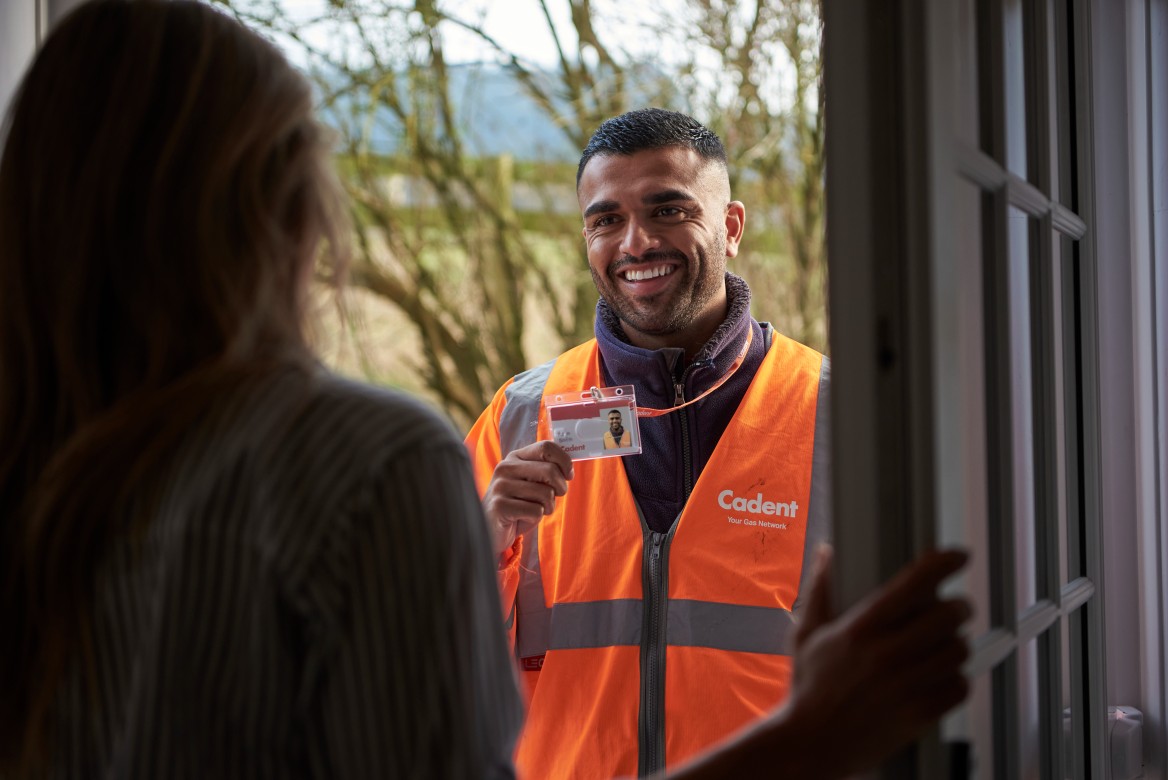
x=638, y=239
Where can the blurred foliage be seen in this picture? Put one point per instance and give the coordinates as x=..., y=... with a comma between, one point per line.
x=481, y=289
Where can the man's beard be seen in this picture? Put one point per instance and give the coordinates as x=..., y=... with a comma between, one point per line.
x=682, y=312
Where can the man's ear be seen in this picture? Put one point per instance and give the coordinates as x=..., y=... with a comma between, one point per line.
x=735, y=225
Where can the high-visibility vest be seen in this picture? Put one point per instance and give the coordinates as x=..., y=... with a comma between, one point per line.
x=639, y=649
x=626, y=440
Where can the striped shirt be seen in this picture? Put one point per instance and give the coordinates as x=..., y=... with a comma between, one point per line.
x=314, y=597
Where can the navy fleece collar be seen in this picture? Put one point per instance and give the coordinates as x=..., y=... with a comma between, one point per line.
x=654, y=372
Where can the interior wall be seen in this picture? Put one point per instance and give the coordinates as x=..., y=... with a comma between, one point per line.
x=18, y=37
x=23, y=24
x=1112, y=238
x=1148, y=90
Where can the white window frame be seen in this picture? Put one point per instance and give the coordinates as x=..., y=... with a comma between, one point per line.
x=893, y=159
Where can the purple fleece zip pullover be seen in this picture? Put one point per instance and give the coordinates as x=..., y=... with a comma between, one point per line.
x=681, y=441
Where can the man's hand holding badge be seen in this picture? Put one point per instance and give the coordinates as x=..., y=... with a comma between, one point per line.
x=583, y=425
x=523, y=489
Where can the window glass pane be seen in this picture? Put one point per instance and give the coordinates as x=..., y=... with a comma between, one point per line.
x=965, y=74
x=1052, y=101
x=1018, y=226
x=1012, y=40
x=1029, y=710
x=1059, y=412
x=972, y=532
x=1077, y=681
x=1070, y=389
x=1068, y=724
x=1062, y=96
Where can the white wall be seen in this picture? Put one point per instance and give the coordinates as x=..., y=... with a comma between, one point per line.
x=1147, y=47
x=1129, y=50
x=1112, y=233
x=19, y=21
x=23, y=24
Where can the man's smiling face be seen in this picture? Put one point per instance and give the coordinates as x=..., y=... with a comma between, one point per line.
x=659, y=225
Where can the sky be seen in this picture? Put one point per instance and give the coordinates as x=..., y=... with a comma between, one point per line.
x=520, y=26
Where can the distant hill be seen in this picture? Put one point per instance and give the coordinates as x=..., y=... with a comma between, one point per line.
x=497, y=117
x=500, y=118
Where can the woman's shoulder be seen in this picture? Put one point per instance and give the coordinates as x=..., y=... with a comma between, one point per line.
x=324, y=423
x=300, y=457
x=377, y=416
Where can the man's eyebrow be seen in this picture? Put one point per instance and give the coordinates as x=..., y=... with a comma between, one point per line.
x=599, y=207
x=667, y=196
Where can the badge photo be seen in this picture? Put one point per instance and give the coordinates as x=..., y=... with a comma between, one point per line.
x=596, y=423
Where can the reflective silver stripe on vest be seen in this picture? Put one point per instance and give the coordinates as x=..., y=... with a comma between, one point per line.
x=583, y=624
x=519, y=420
x=510, y=619
x=819, y=511
x=614, y=623
x=518, y=424
x=730, y=627
x=533, y=617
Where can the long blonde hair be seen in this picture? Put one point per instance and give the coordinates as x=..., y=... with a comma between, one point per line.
x=164, y=192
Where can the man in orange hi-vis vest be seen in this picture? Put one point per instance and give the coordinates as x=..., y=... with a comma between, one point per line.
x=616, y=435
x=652, y=603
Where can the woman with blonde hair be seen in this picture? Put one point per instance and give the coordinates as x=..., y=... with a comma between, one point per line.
x=217, y=559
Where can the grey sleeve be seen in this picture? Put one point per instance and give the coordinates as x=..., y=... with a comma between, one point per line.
x=819, y=512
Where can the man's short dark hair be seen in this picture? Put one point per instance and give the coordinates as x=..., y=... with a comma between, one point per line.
x=651, y=128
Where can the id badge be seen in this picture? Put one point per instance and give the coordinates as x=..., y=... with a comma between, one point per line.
x=596, y=423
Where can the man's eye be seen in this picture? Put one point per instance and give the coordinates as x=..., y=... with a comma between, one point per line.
x=668, y=211
x=604, y=221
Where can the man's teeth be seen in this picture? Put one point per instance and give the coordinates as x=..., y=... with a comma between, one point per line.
x=649, y=273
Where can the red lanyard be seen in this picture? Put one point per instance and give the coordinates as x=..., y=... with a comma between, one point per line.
x=645, y=411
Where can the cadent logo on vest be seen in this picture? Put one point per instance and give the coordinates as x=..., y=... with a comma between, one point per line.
x=757, y=505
